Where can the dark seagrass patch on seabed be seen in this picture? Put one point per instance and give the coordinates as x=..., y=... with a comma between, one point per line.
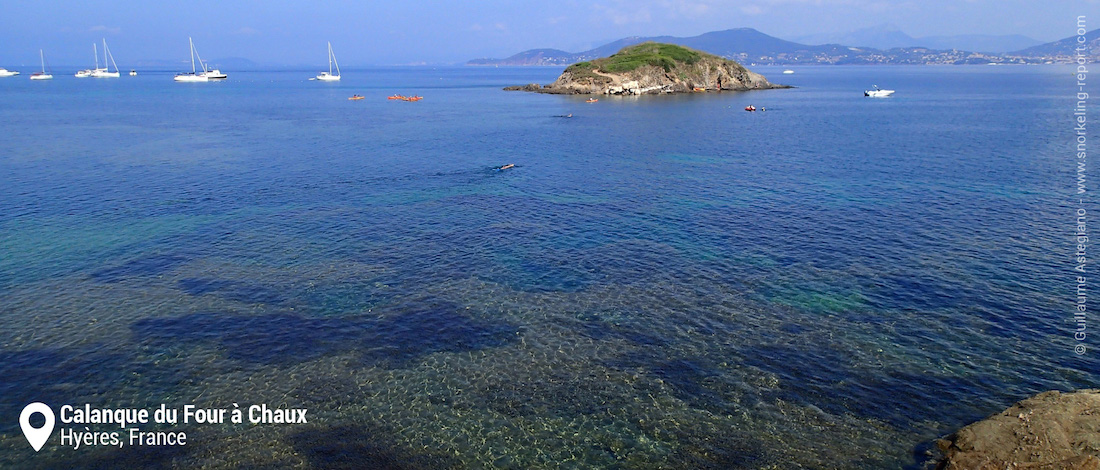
x=241, y=291
x=68, y=375
x=822, y=377
x=395, y=340
x=359, y=446
x=145, y=266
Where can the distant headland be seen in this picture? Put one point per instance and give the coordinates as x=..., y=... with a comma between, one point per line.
x=651, y=68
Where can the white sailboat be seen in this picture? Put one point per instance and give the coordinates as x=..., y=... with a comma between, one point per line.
x=88, y=72
x=7, y=73
x=106, y=72
x=328, y=76
x=41, y=75
x=194, y=76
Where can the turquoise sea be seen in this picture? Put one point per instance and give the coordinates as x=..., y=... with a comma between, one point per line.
x=659, y=282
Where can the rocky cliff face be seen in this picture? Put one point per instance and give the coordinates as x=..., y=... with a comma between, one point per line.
x=652, y=68
x=705, y=75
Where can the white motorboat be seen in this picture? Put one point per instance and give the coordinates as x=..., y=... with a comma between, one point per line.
x=328, y=76
x=788, y=72
x=215, y=74
x=42, y=75
x=877, y=92
x=7, y=73
x=133, y=73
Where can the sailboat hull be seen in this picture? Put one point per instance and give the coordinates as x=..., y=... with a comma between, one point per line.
x=42, y=75
x=325, y=77
x=190, y=77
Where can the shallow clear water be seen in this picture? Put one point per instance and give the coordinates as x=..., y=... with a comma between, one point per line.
x=660, y=282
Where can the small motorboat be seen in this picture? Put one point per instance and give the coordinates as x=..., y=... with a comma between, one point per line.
x=133, y=73
x=788, y=72
x=750, y=108
x=356, y=97
x=591, y=100
x=877, y=93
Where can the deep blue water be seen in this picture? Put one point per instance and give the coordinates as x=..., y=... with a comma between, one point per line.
x=660, y=282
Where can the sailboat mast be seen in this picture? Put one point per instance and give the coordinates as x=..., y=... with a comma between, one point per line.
x=192, y=43
x=42, y=56
x=330, y=58
x=332, y=55
x=95, y=51
x=106, y=54
x=201, y=63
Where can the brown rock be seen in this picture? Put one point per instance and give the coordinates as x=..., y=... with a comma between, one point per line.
x=527, y=87
x=1050, y=431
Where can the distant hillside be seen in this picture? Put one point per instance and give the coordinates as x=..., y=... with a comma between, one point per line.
x=979, y=42
x=752, y=47
x=744, y=44
x=531, y=57
x=1064, y=47
x=879, y=37
x=889, y=37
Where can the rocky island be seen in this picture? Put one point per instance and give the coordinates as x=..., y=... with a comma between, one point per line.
x=651, y=68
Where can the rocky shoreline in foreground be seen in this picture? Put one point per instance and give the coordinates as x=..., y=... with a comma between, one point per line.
x=1049, y=431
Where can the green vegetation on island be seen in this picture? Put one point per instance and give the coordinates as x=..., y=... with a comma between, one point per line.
x=665, y=56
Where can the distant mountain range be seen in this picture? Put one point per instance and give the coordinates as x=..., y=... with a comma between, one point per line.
x=1067, y=46
x=748, y=45
x=890, y=37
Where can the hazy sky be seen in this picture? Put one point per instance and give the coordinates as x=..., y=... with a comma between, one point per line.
x=281, y=32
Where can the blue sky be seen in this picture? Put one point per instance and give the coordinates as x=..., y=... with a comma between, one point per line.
x=280, y=32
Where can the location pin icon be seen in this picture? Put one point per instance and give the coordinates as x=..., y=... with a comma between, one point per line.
x=36, y=436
